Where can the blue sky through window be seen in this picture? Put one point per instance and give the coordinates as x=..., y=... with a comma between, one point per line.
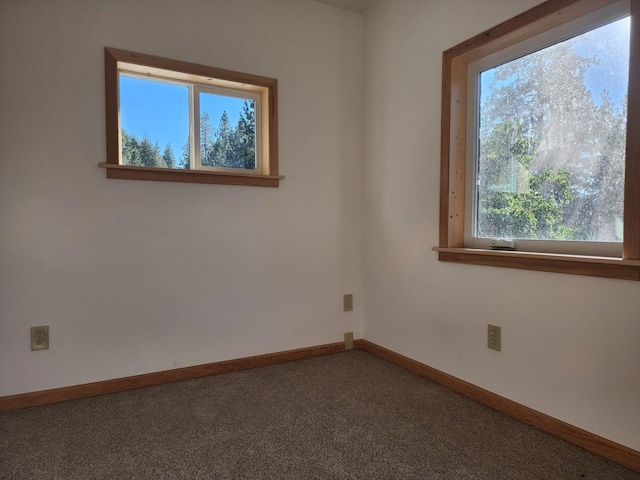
x=610, y=45
x=160, y=110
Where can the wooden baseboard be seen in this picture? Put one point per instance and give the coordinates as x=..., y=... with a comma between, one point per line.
x=600, y=446
x=45, y=397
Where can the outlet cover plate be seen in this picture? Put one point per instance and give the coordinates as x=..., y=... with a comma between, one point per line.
x=347, y=302
x=494, y=337
x=348, y=341
x=40, y=337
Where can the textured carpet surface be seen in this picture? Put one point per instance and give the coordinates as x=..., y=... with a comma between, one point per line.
x=344, y=416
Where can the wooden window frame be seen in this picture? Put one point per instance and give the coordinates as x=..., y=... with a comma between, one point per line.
x=267, y=174
x=451, y=248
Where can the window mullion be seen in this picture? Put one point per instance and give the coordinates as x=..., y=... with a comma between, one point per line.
x=196, y=159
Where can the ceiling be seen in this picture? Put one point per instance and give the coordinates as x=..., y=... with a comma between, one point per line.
x=356, y=6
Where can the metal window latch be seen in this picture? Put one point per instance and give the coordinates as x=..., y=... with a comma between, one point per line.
x=502, y=244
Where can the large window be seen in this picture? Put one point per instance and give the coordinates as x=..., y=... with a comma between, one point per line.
x=175, y=121
x=540, y=144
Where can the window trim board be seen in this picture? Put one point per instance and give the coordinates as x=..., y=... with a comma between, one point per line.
x=233, y=177
x=607, y=267
x=631, y=241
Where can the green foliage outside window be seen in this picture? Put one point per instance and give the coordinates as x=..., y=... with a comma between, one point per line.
x=551, y=151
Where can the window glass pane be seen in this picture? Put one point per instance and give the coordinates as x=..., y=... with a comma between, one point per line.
x=227, y=131
x=551, y=149
x=155, y=123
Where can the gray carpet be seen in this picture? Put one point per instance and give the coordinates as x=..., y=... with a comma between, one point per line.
x=344, y=416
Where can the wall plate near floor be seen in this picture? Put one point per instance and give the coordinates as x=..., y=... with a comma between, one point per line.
x=348, y=341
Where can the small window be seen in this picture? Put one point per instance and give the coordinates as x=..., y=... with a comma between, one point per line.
x=175, y=121
x=539, y=144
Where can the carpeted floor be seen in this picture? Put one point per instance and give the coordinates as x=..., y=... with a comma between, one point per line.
x=344, y=416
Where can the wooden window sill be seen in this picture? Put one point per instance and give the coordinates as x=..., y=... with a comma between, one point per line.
x=127, y=172
x=607, y=267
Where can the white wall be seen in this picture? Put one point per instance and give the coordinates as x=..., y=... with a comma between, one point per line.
x=135, y=277
x=570, y=344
